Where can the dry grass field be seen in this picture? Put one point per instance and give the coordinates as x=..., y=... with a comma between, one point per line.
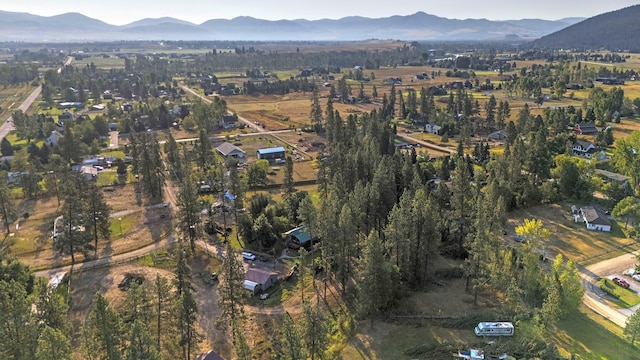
x=569, y=238
x=32, y=242
x=11, y=97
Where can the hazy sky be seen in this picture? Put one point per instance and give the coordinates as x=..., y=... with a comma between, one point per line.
x=198, y=11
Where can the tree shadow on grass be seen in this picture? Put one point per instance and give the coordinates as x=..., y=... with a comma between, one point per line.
x=580, y=335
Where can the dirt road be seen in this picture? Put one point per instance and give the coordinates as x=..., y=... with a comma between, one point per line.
x=428, y=145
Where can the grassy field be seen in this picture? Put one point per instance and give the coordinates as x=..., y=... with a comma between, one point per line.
x=589, y=336
x=100, y=62
x=568, y=238
x=11, y=97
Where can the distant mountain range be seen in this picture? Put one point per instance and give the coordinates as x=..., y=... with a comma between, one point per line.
x=74, y=27
x=616, y=30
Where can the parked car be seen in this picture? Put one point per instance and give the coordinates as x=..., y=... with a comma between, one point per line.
x=248, y=256
x=264, y=296
x=631, y=272
x=621, y=282
x=636, y=277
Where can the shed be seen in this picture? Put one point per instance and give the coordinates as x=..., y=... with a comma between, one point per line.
x=264, y=278
x=271, y=153
x=253, y=287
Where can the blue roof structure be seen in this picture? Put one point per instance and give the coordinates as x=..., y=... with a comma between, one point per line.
x=299, y=233
x=271, y=150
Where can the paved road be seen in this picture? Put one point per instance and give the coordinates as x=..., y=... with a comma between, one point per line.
x=7, y=126
x=594, y=297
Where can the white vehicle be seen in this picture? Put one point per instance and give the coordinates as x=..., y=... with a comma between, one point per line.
x=636, y=277
x=494, y=329
x=248, y=256
x=631, y=272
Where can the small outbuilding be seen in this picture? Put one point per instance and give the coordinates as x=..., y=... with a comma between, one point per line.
x=251, y=286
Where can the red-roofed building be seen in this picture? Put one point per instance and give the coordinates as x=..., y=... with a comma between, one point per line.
x=264, y=278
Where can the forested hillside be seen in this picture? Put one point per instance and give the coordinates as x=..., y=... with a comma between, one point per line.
x=616, y=30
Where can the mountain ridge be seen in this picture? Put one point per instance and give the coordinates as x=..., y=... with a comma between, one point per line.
x=614, y=30
x=74, y=27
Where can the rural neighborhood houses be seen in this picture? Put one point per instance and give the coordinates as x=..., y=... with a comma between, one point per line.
x=593, y=217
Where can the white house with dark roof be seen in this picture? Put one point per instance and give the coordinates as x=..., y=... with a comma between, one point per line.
x=432, y=129
x=229, y=150
x=594, y=218
x=583, y=148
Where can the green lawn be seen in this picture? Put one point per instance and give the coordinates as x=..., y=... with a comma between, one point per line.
x=627, y=297
x=588, y=336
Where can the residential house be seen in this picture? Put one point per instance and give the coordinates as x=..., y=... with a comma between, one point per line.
x=432, y=129
x=271, y=154
x=15, y=177
x=89, y=172
x=53, y=138
x=126, y=107
x=583, y=148
x=264, y=278
x=585, y=128
x=298, y=237
x=229, y=150
x=65, y=116
x=498, y=135
x=228, y=122
x=611, y=177
x=594, y=218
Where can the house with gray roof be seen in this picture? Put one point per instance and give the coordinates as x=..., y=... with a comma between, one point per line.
x=229, y=150
x=594, y=218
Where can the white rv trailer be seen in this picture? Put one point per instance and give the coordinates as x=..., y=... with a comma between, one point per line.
x=494, y=329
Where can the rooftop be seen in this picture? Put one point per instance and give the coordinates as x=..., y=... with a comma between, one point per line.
x=271, y=150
